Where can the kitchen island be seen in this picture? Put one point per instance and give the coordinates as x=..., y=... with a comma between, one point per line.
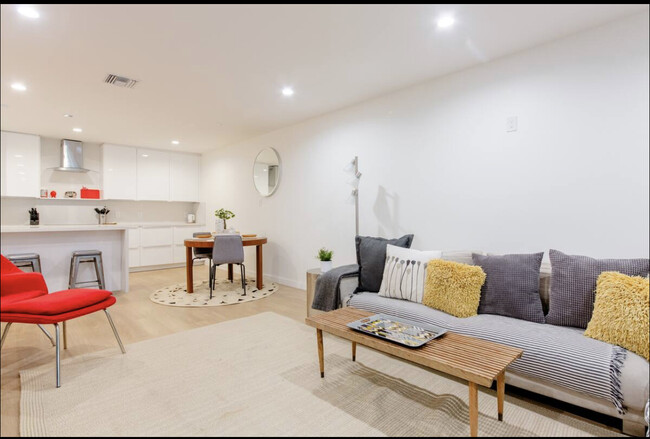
x=55, y=244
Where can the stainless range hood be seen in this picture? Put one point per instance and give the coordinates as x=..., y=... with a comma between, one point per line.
x=72, y=156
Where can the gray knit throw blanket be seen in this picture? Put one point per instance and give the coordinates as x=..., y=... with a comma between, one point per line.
x=328, y=287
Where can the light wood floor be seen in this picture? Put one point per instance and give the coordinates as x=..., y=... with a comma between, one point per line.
x=137, y=319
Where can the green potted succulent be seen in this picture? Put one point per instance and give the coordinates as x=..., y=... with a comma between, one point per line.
x=325, y=257
x=222, y=215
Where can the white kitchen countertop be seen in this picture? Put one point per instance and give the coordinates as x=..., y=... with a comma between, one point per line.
x=61, y=228
x=89, y=227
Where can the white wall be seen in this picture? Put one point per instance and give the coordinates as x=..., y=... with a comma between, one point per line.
x=437, y=161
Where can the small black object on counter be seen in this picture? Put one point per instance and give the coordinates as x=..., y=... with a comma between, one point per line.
x=33, y=217
x=102, y=214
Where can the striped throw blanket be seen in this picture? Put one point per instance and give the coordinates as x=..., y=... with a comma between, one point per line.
x=559, y=355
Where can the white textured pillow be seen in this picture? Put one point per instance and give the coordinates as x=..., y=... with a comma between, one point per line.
x=405, y=272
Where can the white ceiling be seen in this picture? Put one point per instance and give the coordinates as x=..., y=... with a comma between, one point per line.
x=212, y=74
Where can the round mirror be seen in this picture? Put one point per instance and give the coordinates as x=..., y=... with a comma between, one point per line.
x=266, y=171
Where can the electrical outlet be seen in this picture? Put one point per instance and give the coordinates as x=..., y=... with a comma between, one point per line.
x=511, y=124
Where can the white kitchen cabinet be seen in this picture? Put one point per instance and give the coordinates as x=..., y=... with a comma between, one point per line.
x=134, y=247
x=149, y=246
x=184, y=177
x=156, y=236
x=158, y=255
x=134, y=257
x=21, y=164
x=156, y=245
x=153, y=174
x=134, y=237
x=119, y=171
x=180, y=235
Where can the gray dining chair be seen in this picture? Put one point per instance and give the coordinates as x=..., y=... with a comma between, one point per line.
x=227, y=249
x=201, y=253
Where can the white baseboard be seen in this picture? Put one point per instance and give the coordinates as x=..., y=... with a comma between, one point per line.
x=277, y=279
x=162, y=267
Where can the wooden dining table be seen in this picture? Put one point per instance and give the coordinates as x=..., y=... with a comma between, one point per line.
x=191, y=243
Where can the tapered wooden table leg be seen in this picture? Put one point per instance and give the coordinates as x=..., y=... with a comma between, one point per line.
x=189, y=274
x=501, y=393
x=259, y=268
x=354, y=351
x=321, y=361
x=473, y=409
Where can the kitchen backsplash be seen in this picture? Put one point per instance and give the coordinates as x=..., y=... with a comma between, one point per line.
x=61, y=211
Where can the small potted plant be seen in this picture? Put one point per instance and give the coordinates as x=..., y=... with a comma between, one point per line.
x=325, y=257
x=222, y=215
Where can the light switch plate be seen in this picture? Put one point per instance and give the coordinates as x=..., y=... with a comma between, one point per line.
x=511, y=124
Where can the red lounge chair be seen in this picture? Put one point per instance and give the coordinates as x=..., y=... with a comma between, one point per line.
x=24, y=299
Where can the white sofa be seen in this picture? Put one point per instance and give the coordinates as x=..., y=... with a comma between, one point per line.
x=634, y=373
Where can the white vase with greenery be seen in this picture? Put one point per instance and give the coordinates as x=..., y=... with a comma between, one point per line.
x=220, y=221
x=325, y=257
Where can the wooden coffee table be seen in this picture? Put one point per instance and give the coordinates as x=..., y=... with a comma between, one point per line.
x=478, y=361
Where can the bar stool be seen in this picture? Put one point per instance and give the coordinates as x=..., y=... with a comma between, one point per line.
x=81, y=257
x=32, y=260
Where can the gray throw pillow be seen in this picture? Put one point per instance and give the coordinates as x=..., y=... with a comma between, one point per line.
x=573, y=285
x=371, y=258
x=511, y=286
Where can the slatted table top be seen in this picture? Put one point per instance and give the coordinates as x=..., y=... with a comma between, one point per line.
x=469, y=358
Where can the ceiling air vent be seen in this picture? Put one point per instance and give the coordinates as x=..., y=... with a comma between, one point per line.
x=120, y=81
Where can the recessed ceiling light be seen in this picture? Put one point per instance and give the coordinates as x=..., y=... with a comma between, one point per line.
x=287, y=91
x=18, y=86
x=77, y=130
x=28, y=11
x=67, y=115
x=446, y=21
x=175, y=142
x=145, y=155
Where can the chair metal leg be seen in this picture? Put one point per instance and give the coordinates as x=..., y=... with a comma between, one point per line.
x=209, y=274
x=4, y=334
x=243, y=277
x=117, y=336
x=65, y=335
x=58, y=355
x=47, y=334
x=212, y=273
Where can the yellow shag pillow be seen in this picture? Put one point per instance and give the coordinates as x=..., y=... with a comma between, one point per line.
x=621, y=312
x=453, y=287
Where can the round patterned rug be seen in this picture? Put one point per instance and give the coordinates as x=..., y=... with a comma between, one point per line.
x=224, y=293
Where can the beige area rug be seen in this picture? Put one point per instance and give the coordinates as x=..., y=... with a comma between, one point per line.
x=224, y=293
x=258, y=376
